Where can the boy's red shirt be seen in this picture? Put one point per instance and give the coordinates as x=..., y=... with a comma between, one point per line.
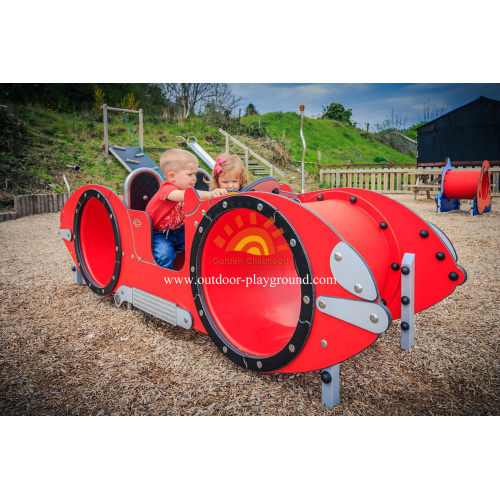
x=164, y=213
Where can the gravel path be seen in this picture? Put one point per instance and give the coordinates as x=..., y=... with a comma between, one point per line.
x=66, y=351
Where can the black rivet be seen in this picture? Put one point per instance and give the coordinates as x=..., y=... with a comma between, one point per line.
x=453, y=276
x=424, y=233
x=320, y=197
x=395, y=266
x=405, y=300
x=383, y=225
x=73, y=268
x=326, y=378
x=353, y=199
x=405, y=270
x=440, y=256
x=384, y=302
x=405, y=326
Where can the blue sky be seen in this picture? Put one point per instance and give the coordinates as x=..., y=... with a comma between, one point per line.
x=370, y=102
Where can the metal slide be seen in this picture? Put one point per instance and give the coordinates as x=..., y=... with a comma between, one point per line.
x=192, y=143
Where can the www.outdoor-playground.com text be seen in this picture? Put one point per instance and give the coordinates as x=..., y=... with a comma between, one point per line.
x=263, y=281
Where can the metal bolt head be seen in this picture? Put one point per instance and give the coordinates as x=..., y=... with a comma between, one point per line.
x=292, y=242
x=291, y=348
x=306, y=299
x=338, y=256
x=200, y=229
x=203, y=212
x=440, y=256
x=322, y=304
x=195, y=223
x=324, y=344
x=224, y=204
x=405, y=326
x=224, y=350
x=405, y=270
x=373, y=318
x=259, y=208
x=116, y=249
x=358, y=288
x=185, y=320
x=192, y=269
x=200, y=312
x=259, y=365
x=405, y=300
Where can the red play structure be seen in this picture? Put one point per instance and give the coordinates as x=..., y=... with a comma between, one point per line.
x=465, y=185
x=280, y=281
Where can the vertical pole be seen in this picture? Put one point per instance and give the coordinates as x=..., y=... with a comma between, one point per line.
x=330, y=386
x=302, y=107
x=105, y=120
x=408, y=301
x=259, y=121
x=283, y=135
x=246, y=158
x=141, y=130
x=319, y=157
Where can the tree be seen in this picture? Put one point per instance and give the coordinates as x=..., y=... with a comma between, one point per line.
x=251, y=110
x=192, y=97
x=336, y=111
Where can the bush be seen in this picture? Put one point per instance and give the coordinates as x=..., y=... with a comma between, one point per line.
x=380, y=159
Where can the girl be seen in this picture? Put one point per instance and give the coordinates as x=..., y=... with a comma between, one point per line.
x=229, y=173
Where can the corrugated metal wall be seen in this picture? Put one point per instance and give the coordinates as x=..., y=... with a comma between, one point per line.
x=469, y=133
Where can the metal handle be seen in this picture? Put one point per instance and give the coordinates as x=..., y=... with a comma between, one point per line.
x=76, y=168
x=302, y=107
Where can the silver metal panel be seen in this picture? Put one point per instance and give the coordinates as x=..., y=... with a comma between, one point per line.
x=350, y=270
x=66, y=234
x=78, y=277
x=408, y=311
x=151, y=304
x=330, y=393
x=370, y=316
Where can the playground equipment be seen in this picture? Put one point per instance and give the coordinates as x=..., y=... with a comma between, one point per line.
x=134, y=158
x=280, y=281
x=465, y=185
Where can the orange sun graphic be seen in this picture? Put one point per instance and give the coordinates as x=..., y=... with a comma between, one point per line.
x=255, y=238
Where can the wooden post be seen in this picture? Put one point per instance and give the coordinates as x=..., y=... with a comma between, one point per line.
x=141, y=130
x=246, y=159
x=367, y=126
x=348, y=164
x=105, y=120
x=17, y=206
x=227, y=144
x=319, y=157
x=259, y=121
x=239, y=115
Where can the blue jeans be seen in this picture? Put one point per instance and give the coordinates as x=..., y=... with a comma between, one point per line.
x=166, y=244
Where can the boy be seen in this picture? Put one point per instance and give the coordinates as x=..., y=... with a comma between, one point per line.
x=166, y=207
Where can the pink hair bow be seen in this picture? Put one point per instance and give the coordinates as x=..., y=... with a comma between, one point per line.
x=218, y=162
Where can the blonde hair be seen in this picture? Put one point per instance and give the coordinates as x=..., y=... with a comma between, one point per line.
x=175, y=160
x=232, y=162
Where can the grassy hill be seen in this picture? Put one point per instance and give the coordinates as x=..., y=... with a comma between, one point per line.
x=337, y=142
x=36, y=144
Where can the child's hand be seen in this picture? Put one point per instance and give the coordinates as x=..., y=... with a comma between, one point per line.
x=218, y=192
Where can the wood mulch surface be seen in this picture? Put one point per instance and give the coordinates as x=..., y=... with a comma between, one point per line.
x=66, y=351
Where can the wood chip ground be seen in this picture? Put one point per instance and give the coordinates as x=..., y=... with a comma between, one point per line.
x=66, y=351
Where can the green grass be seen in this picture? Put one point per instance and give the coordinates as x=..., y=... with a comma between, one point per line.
x=337, y=142
x=35, y=145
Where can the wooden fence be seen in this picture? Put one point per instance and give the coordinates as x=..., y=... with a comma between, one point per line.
x=391, y=180
x=35, y=204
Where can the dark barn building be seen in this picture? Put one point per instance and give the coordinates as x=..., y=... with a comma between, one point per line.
x=468, y=133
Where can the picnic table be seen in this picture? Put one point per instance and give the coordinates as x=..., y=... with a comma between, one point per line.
x=426, y=180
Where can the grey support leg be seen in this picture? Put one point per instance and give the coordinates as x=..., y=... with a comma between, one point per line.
x=408, y=301
x=330, y=379
x=78, y=276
